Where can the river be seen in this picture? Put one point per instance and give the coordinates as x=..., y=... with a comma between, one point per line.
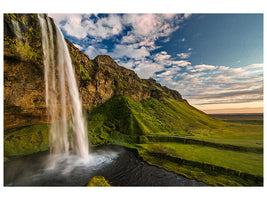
x=119, y=165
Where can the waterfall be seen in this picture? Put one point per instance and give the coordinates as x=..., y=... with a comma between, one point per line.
x=68, y=131
x=17, y=30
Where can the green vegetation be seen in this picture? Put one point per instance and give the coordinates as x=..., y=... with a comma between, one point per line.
x=170, y=134
x=232, y=163
x=209, y=174
x=168, y=117
x=26, y=44
x=176, y=136
x=98, y=181
x=84, y=73
x=149, y=116
x=26, y=140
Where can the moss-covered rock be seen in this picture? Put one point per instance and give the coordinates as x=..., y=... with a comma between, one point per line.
x=98, y=181
x=26, y=140
x=23, y=70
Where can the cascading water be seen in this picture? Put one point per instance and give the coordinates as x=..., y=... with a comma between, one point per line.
x=68, y=126
x=17, y=30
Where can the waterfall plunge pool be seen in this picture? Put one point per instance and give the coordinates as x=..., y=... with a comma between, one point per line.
x=119, y=165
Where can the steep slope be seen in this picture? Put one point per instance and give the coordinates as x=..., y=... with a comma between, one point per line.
x=98, y=79
x=124, y=116
x=23, y=70
x=102, y=78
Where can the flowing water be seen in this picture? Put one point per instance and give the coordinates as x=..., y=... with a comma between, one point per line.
x=120, y=166
x=17, y=30
x=68, y=127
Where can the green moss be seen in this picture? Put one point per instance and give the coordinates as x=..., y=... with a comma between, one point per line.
x=26, y=47
x=26, y=140
x=98, y=181
x=5, y=159
x=84, y=74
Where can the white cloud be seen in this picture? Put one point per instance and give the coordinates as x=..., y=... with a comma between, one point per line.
x=160, y=57
x=128, y=39
x=187, y=15
x=236, y=70
x=204, y=67
x=208, y=84
x=104, y=27
x=168, y=15
x=181, y=63
x=129, y=51
x=73, y=26
x=166, y=40
x=92, y=52
x=223, y=68
x=146, y=23
x=253, y=66
x=129, y=64
x=80, y=26
x=184, y=55
x=147, y=69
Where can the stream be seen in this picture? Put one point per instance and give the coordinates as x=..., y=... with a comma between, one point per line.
x=119, y=165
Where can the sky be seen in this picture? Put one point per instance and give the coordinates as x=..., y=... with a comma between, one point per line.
x=214, y=60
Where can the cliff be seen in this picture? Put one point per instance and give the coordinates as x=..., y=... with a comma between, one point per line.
x=99, y=79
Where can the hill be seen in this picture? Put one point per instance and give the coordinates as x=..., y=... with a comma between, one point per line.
x=125, y=110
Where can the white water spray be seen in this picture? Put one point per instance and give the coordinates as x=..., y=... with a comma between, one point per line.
x=68, y=126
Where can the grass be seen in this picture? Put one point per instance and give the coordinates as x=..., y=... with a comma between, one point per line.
x=198, y=146
x=248, y=162
x=132, y=122
x=169, y=117
x=207, y=176
x=149, y=116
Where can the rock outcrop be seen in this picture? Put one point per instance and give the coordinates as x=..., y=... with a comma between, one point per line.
x=98, y=79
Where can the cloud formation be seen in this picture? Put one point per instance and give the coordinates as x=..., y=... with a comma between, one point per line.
x=133, y=41
x=208, y=84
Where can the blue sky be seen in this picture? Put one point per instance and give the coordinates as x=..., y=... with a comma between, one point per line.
x=214, y=60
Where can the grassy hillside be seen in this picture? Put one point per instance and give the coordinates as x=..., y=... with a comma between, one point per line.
x=150, y=116
x=176, y=136
x=170, y=134
x=169, y=117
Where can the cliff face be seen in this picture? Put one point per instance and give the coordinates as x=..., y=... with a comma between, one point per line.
x=98, y=79
x=24, y=95
x=102, y=78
